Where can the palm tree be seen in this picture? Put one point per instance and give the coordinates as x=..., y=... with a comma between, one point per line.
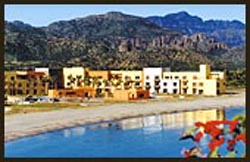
x=72, y=80
x=53, y=81
x=128, y=83
x=106, y=82
x=50, y=80
x=95, y=81
x=96, y=84
x=79, y=80
x=46, y=80
x=13, y=87
x=119, y=82
x=87, y=81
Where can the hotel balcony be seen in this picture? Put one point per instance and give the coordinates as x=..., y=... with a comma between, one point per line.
x=157, y=86
x=185, y=86
x=157, y=80
x=147, y=86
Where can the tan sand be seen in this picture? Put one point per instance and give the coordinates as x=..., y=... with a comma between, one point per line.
x=20, y=125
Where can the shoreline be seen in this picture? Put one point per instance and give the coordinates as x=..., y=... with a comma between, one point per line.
x=23, y=125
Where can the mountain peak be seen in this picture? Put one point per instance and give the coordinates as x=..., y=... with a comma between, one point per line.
x=19, y=23
x=115, y=13
x=183, y=13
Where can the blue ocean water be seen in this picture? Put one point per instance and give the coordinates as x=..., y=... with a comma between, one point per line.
x=154, y=139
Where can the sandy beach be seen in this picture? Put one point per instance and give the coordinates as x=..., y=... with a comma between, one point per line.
x=20, y=125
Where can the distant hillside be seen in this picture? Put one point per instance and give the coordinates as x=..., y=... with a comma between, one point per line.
x=116, y=41
x=110, y=25
x=230, y=32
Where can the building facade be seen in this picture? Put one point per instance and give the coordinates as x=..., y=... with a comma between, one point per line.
x=127, y=95
x=25, y=83
x=156, y=80
x=202, y=82
x=82, y=92
x=128, y=79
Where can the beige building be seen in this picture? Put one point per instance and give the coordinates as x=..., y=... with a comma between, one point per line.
x=203, y=82
x=25, y=83
x=99, y=80
x=126, y=95
x=129, y=79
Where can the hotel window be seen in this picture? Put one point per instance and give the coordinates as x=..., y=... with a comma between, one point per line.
x=147, y=77
x=200, y=91
x=42, y=91
x=157, y=77
x=218, y=84
x=137, y=83
x=157, y=83
x=176, y=77
x=137, y=77
x=201, y=84
x=12, y=78
x=184, y=83
x=165, y=83
x=185, y=91
x=175, y=91
x=35, y=91
x=165, y=90
x=184, y=77
x=35, y=84
x=166, y=77
x=27, y=91
x=148, y=84
x=194, y=84
x=27, y=85
x=19, y=85
x=194, y=91
x=20, y=92
x=175, y=84
x=195, y=77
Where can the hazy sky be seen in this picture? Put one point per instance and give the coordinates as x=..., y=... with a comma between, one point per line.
x=42, y=15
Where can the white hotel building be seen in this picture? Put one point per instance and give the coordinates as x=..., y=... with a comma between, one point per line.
x=154, y=81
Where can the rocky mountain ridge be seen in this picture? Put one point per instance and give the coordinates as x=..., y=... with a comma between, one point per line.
x=230, y=32
x=115, y=41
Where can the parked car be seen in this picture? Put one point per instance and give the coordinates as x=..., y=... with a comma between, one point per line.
x=55, y=99
x=30, y=99
x=47, y=99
